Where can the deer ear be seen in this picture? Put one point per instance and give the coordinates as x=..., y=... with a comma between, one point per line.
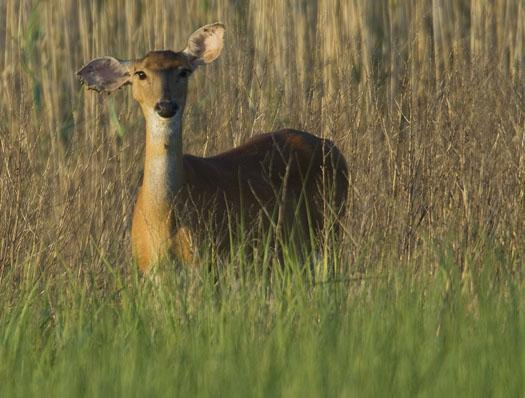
x=105, y=74
x=205, y=44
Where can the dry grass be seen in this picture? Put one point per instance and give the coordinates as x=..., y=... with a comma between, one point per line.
x=425, y=98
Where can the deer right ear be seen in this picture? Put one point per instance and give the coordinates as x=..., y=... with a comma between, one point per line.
x=105, y=74
x=205, y=44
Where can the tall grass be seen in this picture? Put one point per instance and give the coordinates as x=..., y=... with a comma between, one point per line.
x=401, y=335
x=426, y=101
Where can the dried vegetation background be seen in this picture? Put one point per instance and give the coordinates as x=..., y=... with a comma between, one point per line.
x=425, y=99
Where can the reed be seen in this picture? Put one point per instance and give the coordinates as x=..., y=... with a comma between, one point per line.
x=424, y=97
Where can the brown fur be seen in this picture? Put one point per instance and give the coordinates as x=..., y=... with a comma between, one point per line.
x=162, y=60
x=249, y=180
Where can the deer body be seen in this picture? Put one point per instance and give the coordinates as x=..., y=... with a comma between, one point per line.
x=279, y=178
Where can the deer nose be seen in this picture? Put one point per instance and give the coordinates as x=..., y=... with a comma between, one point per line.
x=166, y=108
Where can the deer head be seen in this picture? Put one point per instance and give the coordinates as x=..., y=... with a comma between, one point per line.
x=159, y=80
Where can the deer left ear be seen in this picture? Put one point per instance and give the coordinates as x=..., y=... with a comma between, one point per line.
x=105, y=74
x=205, y=44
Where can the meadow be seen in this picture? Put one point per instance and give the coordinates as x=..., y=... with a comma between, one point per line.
x=424, y=295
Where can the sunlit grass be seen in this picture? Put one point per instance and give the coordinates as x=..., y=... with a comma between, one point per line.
x=401, y=333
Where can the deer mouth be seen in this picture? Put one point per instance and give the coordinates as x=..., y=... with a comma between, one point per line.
x=166, y=109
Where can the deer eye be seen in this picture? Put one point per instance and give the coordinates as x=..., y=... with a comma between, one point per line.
x=141, y=75
x=185, y=73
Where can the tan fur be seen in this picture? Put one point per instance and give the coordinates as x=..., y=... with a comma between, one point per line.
x=183, y=246
x=162, y=68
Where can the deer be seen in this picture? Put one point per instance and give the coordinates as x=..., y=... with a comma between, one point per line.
x=280, y=178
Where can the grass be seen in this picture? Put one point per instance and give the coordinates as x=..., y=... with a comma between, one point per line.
x=401, y=334
x=425, y=100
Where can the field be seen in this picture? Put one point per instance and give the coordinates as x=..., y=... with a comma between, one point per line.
x=426, y=99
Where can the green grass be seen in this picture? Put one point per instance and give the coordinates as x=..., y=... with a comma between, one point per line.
x=198, y=334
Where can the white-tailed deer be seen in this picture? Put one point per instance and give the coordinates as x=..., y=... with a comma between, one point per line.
x=283, y=177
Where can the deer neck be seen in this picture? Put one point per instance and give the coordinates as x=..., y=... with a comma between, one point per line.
x=163, y=167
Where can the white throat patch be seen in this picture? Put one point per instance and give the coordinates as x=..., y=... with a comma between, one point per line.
x=163, y=172
x=163, y=128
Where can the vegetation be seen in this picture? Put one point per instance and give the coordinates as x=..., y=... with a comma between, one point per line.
x=426, y=101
